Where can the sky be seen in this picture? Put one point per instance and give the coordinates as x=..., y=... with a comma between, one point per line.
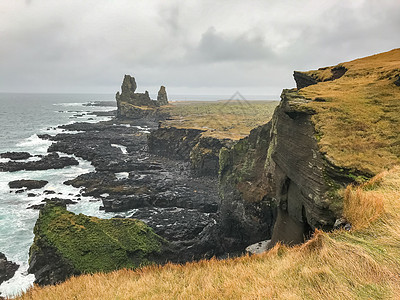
x=192, y=47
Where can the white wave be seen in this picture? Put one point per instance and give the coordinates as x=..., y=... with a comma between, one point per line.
x=69, y=104
x=122, y=175
x=19, y=283
x=34, y=144
x=123, y=148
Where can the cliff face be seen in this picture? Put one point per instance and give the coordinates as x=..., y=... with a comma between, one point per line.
x=188, y=145
x=278, y=173
x=336, y=128
x=66, y=244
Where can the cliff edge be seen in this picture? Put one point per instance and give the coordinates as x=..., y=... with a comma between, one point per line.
x=340, y=126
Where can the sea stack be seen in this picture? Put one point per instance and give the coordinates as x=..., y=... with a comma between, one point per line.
x=162, y=98
x=132, y=105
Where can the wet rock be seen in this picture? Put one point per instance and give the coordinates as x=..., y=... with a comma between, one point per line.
x=28, y=184
x=7, y=268
x=36, y=206
x=16, y=155
x=50, y=161
x=48, y=192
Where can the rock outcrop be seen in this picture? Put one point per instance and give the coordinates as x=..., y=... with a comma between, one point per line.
x=16, y=155
x=188, y=145
x=7, y=268
x=66, y=244
x=51, y=161
x=304, y=79
x=137, y=105
x=27, y=183
x=162, y=98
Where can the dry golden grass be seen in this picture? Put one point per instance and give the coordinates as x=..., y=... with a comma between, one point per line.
x=220, y=119
x=362, y=264
x=360, y=120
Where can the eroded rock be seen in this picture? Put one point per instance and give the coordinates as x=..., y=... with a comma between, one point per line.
x=28, y=184
x=7, y=268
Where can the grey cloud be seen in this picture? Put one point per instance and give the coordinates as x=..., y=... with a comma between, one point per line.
x=204, y=46
x=217, y=47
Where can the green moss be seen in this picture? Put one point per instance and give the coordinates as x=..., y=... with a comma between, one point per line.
x=91, y=245
x=224, y=159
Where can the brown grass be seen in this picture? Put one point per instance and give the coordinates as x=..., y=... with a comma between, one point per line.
x=362, y=264
x=360, y=120
x=220, y=119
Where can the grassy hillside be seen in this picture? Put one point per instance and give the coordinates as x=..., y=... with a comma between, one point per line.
x=358, y=115
x=361, y=264
x=220, y=119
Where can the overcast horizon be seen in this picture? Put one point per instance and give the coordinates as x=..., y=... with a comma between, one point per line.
x=191, y=47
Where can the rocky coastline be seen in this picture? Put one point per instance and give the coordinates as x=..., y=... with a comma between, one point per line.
x=204, y=196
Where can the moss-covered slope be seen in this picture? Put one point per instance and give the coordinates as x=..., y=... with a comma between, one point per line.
x=67, y=244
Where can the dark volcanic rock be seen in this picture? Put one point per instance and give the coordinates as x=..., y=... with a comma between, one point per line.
x=16, y=155
x=7, y=268
x=397, y=82
x=279, y=173
x=303, y=80
x=51, y=161
x=162, y=98
x=173, y=142
x=28, y=184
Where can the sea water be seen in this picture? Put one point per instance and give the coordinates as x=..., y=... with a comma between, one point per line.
x=22, y=117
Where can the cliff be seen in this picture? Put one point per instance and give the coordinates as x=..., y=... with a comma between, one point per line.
x=66, y=244
x=338, y=127
x=196, y=131
x=134, y=105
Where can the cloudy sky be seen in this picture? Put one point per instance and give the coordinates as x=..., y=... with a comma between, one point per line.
x=191, y=47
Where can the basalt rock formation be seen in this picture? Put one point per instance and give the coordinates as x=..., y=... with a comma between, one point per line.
x=137, y=105
x=285, y=179
x=162, y=98
x=27, y=183
x=51, y=161
x=275, y=184
x=7, y=268
x=188, y=145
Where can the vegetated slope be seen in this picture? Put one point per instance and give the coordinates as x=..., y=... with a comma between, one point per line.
x=358, y=115
x=360, y=264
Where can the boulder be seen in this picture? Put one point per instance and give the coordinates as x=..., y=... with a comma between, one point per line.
x=28, y=184
x=16, y=155
x=7, y=268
